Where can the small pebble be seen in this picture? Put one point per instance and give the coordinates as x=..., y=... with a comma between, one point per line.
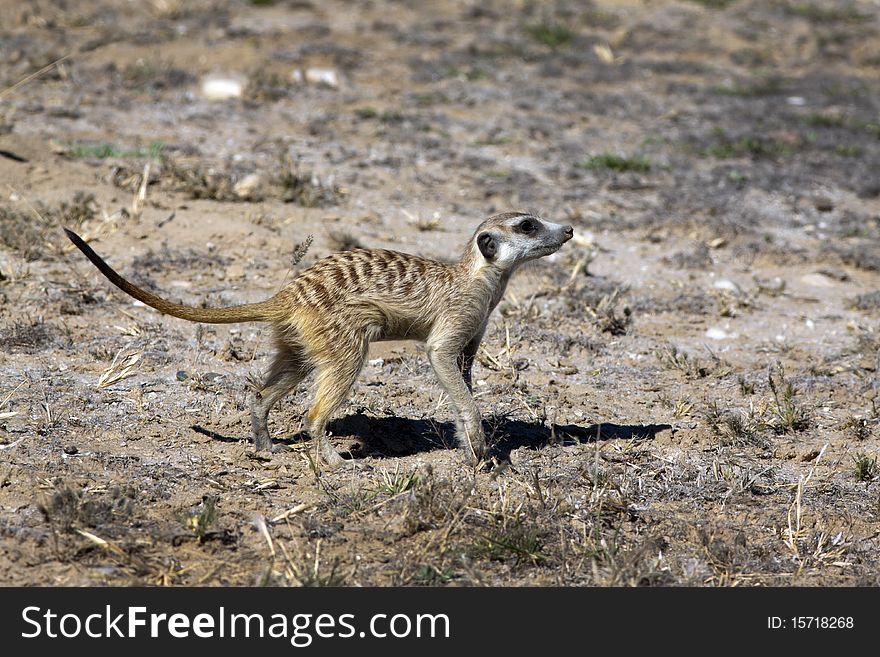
x=249, y=187
x=725, y=284
x=215, y=87
x=322, y=77
x=715, y=333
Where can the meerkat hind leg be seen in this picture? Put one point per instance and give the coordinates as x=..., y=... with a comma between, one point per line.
x=336, y=376
x=287, y=371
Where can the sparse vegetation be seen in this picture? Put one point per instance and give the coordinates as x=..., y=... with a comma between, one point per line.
x=737, y=427
x=615, y=162
x=550, y=34
x=34, y=229
x=391, y=116
x=103, y=151
x=749, y=146
x=788, y=412
x=266, y=85
x=305, y=189
x=757, y=88
x=829, y=12
x=858, y=427
x=510, y=539
x=365, y=113
x=693, y=368
x=397, y=482
x=605, y=317
x=848, y=150
x=820, y=120
x=865, y=467
x=201, y=180
x=29, y=337
x=202, y=519
x=340, y=240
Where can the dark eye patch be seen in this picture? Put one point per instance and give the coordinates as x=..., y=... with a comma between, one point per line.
x=527, y=226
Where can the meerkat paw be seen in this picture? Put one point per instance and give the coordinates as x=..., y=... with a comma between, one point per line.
x=332, y=461
x=263, y=443
x=331, y=458
x=473, y=445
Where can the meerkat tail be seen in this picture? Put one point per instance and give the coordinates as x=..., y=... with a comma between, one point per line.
x=251, y=312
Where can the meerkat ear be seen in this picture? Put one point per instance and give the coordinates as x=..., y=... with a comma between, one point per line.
x=488, y=246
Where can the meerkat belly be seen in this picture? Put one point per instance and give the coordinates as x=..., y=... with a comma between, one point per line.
x=388, y=317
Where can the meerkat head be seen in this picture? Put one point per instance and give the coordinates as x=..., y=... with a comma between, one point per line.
x=510, y=239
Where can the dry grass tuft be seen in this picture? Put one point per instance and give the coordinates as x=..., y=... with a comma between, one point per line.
x=122, y=367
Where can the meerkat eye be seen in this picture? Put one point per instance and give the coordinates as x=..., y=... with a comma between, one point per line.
x=527, y=226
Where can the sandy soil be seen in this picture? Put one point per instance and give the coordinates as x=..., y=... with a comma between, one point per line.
x=685, y=394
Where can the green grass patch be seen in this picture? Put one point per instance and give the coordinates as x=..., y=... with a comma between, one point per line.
x=386, y=116
x=832, y=12
x=872, y=129
x=865, y=467
x=103, y=151
x=614, y=162
x=848, y=150
x=428, y=575
x=430, y=98
x=553, y=35
x=819, y=120
x=788, y=414
x=391, y=116
x=769, y=86
x=749, y=146
x=492, y=141
x=366, y=113
x=517, y=541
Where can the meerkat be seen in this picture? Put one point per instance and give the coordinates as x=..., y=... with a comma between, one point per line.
x=325, y=319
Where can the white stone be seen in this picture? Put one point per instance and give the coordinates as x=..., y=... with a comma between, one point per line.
x=248, y=186
x=222, y=87
x=817, y=280
x=725, y=284
x=325, y=77
x=716, y=333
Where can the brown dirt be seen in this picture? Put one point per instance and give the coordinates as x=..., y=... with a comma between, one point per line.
x=683, y=395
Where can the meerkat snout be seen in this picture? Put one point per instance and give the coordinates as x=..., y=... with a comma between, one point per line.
x=325, y=319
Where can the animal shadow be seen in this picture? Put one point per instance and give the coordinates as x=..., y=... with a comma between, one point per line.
x=392, y=436
x=513, y=434
x=395, y=436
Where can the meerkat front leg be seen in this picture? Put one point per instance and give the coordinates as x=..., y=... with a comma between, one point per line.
x=444, y=356
x=466, y=358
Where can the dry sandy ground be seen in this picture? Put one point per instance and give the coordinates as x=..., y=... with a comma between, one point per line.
x=685, y=394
